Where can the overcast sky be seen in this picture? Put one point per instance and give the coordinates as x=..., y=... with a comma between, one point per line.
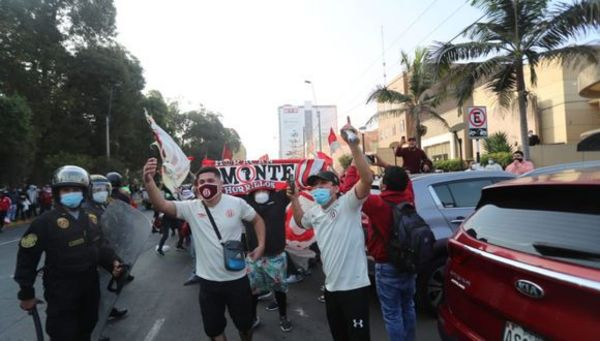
x=244, y=59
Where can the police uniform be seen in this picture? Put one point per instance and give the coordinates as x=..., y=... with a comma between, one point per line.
x=74, y=247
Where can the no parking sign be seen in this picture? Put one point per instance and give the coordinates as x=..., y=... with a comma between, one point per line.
x=477, y=119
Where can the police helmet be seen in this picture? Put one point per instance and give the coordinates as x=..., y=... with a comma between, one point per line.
x=70, y=176
x=99, y=182
x=116, y=180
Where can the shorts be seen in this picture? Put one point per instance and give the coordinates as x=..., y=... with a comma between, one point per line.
x=268, y=273
x=216, y=296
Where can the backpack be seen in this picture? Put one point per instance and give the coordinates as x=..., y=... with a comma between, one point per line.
x=410, y=247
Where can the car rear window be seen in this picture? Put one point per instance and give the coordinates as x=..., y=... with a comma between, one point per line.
x=567, y=229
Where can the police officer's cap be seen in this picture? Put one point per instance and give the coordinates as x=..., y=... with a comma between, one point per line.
x=68, y=176
x=115, y=179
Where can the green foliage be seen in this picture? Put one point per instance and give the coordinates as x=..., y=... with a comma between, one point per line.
x=60, y=72
x=345, y=160
x=497, y=142
x=502, y=158
x=452, y=165
x=421, y=98
x=15, y=139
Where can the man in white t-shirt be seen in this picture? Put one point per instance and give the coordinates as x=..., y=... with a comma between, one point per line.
x=220, y=288
x=340, y=236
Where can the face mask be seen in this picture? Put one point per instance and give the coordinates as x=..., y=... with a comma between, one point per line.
x=321, y=195
x=100, y=197
x=71, y=200
x=261, y=197
x=208, y=191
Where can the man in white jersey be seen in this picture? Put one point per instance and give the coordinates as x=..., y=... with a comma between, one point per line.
x=223, y=281
x=340, y=236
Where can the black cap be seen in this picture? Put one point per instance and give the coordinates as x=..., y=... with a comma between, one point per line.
x=324, y=175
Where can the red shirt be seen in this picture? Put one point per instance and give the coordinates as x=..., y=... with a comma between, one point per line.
x=349, y=179
x=379, y=211
x=5, y=204
x=412, y=159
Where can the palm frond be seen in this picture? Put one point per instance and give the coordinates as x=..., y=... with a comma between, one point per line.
x=572, y=55
x=384, y=95
x=430, y=113
x=447, y=53
x=504, y=83
x=464, y=77
x=386, y=113
x=569, y=21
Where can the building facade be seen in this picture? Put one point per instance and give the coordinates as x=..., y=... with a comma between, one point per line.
x=557, y=112
x=299, y=129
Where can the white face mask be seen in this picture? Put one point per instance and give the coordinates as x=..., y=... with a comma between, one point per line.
x=261, y=197
x=100, y=197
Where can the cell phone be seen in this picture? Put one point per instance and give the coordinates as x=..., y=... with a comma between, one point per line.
x=291, y=182
x=348, y=120
x=371, y=159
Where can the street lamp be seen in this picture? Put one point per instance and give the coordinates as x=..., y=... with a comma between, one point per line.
x=363, y=130
x=318, y=112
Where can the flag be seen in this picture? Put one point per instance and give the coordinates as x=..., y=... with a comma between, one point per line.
x=334, y=145
x=264, y=158
x=227, y=154
x=175, y=164
x=325, y=157
x=206, y=162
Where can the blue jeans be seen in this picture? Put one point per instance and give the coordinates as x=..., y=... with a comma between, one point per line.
x=396, y=291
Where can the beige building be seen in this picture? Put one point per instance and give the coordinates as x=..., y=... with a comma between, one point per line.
x=561, y=107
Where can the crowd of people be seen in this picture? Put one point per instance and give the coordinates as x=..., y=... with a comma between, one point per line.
x=238, y=244
x=23, y=203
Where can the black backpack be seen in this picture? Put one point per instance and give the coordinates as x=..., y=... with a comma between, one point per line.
x=410, y=246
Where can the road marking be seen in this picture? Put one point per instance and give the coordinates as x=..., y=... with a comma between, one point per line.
x=10, y=242
x=155, y=329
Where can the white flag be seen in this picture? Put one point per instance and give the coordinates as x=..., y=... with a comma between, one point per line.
x=175, y=164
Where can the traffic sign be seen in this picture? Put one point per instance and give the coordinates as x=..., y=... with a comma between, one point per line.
x=477, y=120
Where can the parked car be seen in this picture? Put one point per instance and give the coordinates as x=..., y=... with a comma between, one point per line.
x=444, y=200
x=564, y=166
x=526, y=265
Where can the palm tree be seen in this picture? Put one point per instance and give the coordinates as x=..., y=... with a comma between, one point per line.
x=422, y=97
x=518, y=34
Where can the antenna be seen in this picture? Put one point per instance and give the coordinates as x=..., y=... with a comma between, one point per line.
x=383, y=57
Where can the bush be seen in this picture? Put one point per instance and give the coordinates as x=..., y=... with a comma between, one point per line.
x=502, y=158
x=453, y=165
x=496, y=143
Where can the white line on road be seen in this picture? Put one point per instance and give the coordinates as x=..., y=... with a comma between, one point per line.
x=10, y=242
x=155, y=329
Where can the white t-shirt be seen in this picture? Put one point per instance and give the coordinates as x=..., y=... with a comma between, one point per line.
x=341, y=239
x=228, y=215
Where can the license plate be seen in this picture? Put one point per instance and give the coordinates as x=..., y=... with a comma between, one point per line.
x=514, y=332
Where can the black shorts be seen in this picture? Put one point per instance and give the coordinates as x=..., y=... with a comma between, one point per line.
x=348, y=314
x=215, y=296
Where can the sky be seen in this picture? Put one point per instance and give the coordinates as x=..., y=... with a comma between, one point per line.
x=244, y=59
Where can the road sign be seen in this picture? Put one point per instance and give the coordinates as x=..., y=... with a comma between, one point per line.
x=477, y=120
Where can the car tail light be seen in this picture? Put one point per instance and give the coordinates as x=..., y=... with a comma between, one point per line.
x=456, y=252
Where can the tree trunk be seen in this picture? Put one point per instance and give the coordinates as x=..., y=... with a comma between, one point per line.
x=522, y=108
x=417, y=129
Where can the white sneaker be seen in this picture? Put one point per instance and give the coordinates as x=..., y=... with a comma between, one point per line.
x=294, y=279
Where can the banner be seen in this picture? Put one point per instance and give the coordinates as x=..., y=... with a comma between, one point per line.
x=243, y=177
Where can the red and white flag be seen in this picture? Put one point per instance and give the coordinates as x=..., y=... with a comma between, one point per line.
x=328, y=160
x=175, y=164
x=333, y=142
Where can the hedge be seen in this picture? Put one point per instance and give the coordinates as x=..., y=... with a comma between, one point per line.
x=502, y=158
x=453, y=165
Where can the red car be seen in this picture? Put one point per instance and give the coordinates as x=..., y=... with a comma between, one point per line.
x=526, y=264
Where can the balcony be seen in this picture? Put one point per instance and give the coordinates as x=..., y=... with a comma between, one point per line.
x=588, y=82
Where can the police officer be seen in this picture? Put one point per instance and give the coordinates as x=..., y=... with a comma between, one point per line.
x=96, y=202
x=74, y=247
x=116, y=180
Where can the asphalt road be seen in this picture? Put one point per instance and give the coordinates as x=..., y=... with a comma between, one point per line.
x=161, y=308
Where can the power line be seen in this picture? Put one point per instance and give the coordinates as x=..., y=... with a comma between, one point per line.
x=386, y=50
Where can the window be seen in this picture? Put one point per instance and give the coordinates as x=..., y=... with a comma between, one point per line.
x=567, y=236
x=461, y=193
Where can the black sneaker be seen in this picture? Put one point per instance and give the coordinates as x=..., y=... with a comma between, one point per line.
x=272, y=306
x=160, y=252
x=285, y=324
x=117, y=314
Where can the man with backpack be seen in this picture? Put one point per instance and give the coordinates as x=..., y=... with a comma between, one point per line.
x=400, y=242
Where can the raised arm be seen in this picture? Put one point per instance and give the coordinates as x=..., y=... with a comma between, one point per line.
x=363, y=187
x=158, y=202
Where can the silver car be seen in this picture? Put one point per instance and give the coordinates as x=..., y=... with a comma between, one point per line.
x=445, y=200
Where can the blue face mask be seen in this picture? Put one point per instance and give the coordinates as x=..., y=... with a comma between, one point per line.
x=321, y=195
x=71, y=200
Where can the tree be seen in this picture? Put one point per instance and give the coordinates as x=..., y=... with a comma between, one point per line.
x=15, y=139
x=496, y=143
x=422, y=97
x=518, y=34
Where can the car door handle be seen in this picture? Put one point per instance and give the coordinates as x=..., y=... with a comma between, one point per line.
x=458, y=220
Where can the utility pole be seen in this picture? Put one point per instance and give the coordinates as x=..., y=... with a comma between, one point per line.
x=110, y=95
